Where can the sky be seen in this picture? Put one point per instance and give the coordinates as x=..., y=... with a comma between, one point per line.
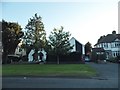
x=86, y=20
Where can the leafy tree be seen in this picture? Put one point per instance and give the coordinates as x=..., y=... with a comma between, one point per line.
x=11, y=36
x=88, y=48
x=48, y=47
x=35, y=34
x=59, y=41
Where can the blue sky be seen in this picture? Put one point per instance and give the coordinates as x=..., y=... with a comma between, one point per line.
x=86, y=21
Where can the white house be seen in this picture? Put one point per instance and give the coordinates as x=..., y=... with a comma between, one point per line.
x=110, y=43
x=20, y=51
x=77, y=46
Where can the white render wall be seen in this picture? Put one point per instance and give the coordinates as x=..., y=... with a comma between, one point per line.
x=83, y=49
x=18, y=52
x=111, y=46
x=72, y=43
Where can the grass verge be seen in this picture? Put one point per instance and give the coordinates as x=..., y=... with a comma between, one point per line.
x=81, y=70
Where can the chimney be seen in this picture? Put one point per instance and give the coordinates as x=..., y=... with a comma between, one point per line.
x=114, y=32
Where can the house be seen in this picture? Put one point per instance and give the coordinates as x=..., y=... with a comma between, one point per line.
x=74, y=57
x=77, y=46
x=19, y=50
x=110, y=43
x=18, y=55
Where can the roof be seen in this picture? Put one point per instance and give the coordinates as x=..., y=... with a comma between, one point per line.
x=108, y=38
x=76, y=40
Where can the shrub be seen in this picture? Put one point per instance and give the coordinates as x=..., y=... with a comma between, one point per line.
x=114, y=60
x=24, y=58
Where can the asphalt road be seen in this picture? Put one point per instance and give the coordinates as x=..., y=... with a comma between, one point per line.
x=108, y=78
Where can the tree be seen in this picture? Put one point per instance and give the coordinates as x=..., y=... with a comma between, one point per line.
x=35, y=34
x=59, y=41
x=11, y=36
x=88, y=49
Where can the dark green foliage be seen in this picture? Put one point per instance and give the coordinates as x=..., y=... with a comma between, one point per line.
x=11, y=34
x=35, y=34
x=48, y=48
x=59, y=41
x=114, y=60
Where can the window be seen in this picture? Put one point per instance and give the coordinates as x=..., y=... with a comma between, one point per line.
x=20, y=49
x=104, y=45
x=118, y=53
x=102, y=52
x=101, y=44
x=107, y=45
x=114, y=54
x=112, y=45
x=117, y=44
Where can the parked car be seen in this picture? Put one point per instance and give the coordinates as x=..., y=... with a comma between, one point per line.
x=87, y=59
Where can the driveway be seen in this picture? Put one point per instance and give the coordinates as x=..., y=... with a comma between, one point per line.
x=105, y=71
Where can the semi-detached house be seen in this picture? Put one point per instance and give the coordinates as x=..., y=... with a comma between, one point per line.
x=110, y=43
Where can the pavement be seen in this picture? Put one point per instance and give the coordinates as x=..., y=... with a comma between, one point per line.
x=107, y=78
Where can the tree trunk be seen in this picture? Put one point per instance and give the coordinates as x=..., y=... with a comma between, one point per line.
x=58, y=62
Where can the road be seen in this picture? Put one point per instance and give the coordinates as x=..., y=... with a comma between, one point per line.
x=108, y=78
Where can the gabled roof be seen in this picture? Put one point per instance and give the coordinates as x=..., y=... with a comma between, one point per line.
x=108, y=38
x=76, y=40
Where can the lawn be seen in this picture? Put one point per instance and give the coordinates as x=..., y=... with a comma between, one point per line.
x=48, y=70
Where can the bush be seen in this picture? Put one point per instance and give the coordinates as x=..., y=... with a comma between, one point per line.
x=118, y=59
x=114, y=60
x=24, y=58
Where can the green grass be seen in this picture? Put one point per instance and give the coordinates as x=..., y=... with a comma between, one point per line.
x=48, y=70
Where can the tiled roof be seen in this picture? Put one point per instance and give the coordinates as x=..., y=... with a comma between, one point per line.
x=109, y=38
